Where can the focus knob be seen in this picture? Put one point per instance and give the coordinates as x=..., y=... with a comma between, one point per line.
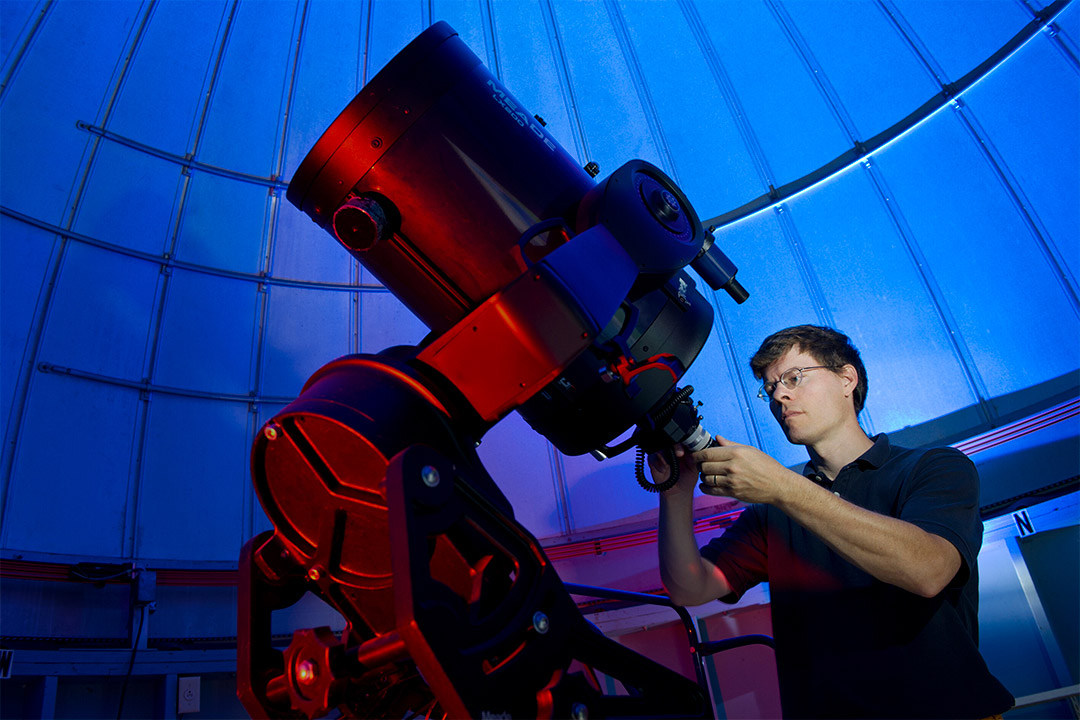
x=360, y=223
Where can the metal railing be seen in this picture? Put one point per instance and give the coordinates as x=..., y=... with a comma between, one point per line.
x=698, y=650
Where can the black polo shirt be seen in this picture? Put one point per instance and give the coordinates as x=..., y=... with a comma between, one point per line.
x=849, y=645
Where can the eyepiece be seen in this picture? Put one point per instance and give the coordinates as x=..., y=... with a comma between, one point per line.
x=718, y=271
x=697, y=439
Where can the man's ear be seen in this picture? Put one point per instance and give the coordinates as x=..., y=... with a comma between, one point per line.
x=851, y=379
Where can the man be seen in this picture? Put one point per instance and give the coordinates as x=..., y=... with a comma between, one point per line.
x=870, y=556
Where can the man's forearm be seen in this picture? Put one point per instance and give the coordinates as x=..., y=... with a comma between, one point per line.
x=890, y=549
x=688, y=579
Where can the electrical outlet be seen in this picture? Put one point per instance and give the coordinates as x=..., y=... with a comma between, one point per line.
x=187, y=694
x=144, y=586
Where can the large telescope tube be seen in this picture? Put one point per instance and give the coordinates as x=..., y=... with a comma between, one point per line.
x=431, y=176
x=440, y=182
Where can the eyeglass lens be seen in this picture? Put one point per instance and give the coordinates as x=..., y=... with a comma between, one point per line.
x=789, y=378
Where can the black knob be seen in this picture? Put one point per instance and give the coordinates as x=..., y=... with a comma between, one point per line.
x=360, y=223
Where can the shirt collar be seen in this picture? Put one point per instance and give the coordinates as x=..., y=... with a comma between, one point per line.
x=878, y=453
x=873, y=458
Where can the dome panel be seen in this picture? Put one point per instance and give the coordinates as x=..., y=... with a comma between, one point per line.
x=224, y=224
x=958, y=41
x=249, y=90
x=472, y=23
x=521, y=463
x=328, y=75
x=163, y=111
x=129, y=199
x=385, y=322
x=26, y=259
x=304, y=330
x=390, y=27
x=304, y=251
x=1068, y=21
x=1034, y=136
x=75, y=465
x=207, y=334
x=73, y=35
x=101, y=313
x=610, y=111
x=529, y=65
x=194, y=477
x=875, y=94
x=16, y=17
x=775, y=90
x=703, y=150
x=1007, y=304
x=605, y=492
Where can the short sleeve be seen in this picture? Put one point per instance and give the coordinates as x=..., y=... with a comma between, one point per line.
x=942, y=497
x=741, y=552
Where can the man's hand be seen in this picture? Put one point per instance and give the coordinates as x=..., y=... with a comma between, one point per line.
x=688, y=471
x=744, y=473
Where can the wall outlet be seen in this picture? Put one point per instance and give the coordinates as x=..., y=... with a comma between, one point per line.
x=187, y=694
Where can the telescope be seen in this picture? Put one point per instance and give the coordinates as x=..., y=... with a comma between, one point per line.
x=546, y=293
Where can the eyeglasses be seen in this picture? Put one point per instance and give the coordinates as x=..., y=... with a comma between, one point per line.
x=789, y=378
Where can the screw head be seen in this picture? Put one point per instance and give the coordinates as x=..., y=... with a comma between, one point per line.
x=314, y=574
x=271, y=432
x=430, y=476
x=541, y=623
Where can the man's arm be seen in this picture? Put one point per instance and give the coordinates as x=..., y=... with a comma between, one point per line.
x=689, y=578
x=890, y=549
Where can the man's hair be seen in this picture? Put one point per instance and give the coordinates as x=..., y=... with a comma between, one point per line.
x=830, y=347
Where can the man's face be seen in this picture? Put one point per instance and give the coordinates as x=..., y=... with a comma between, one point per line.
x=817, y=407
